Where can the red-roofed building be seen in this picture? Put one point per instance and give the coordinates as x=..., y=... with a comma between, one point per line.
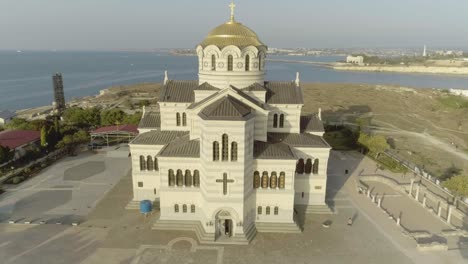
x=112, y=134
x=19, y=140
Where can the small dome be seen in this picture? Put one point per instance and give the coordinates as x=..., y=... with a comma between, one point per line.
x=232, y=33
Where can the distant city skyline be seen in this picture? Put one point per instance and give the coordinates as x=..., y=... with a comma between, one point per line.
x=147, y=24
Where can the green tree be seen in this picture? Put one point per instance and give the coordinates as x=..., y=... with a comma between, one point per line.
x=73, y=140
x=458, y=186
x=375, y=144
x=44, y=136
x=132, y=119
x=82, y=117
x=19, y=123
x=112, y=117
x=5, y=154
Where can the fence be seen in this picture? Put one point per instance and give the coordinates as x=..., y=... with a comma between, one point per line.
x=429, y=181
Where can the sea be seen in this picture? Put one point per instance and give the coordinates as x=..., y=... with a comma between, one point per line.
x=26, y=77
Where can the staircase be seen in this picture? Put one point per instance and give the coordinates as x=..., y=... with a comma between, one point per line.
x=265, y=227
x=204, y=237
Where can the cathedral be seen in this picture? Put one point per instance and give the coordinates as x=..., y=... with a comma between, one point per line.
x=230, y=154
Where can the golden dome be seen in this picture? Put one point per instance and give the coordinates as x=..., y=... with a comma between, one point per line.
x=232, y=33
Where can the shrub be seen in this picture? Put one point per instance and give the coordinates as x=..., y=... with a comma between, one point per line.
x=17, y=179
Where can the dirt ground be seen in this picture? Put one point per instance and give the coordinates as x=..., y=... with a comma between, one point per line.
x=424, y=130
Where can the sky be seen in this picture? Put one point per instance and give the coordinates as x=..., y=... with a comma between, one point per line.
x=152, y=24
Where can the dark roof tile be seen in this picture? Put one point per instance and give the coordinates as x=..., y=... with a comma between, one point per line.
x=226, y=108
x=157, y=137
x=182, y=147
x=299, y=140
x=150, y=120
x=269, y=150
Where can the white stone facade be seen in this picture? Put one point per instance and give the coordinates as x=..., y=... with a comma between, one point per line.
x=229, y=151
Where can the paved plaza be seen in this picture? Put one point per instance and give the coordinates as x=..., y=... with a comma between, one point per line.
x=111, y=234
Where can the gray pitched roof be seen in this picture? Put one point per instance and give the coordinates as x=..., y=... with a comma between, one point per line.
x=269, y=150
x=157, y=137
x=255, y=87
x=311, y=123
x=299, y=140
x=226, y=108
x=178, y=91
x=206, y=87
x=150, y=120
x=182, y=147
x=283, y=93
x=247, y=97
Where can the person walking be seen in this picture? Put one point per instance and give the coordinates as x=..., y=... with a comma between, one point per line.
x=350, y=221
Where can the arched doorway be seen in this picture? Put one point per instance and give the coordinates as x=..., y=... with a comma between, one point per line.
x=224, y=225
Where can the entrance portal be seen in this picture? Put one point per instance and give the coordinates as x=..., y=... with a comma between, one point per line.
x=224, y=225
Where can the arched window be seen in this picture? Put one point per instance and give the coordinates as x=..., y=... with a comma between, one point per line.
x=275, y=120
x=276, y=210
x=188, y=178
x=282, y=180
x=142, y=163
x=178, y=119
x=230, y=63
x=156, y=165
x=192, y=208
x=265, y=180
x=225, y=154
x=308, y=166
x=234, y=151
x=247, y=63
x=215, y=151
x=149, y=163
x=196, y=178
x=273, y=180
x=267, y=211
x=256, y=180
x=281, y=121
x=171, y=178
x=213, y=62
x=184, y=208
x=180, y=178
x=315, y=168
x=300, y=166
x=176, y=208
x=259, y=210
x=184, y=119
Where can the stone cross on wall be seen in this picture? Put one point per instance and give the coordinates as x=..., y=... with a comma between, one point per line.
x=225, y=181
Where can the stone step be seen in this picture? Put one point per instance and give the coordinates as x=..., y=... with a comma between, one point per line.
x=203, y=237
x=265, y=227
x=315, y=209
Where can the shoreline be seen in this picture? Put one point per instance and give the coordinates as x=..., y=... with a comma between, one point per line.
x=449, y=71
x=338, y=66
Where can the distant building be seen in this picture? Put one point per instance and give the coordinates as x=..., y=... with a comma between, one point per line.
x=19, y=141
x=424, y=52
x=5, y=117
x=59, y=96
x=355, y=60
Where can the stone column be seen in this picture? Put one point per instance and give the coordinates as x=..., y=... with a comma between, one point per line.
x=449, y=214
x=373, y=198
x=417, y=192
x=379, y=202
x=424, y=201
x=439, y=210
x=411, y=188
x=398, y=221
x=368, y=193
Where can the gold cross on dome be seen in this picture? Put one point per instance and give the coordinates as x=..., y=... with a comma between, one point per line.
x=232, y=6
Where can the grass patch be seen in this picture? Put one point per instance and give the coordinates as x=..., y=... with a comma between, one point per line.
x=454, y=101
x=390, y=164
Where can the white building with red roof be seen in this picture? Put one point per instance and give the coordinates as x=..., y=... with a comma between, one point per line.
x=19, y=140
